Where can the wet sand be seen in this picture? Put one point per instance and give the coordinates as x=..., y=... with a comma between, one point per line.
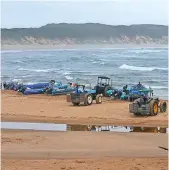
x=87, y=150
x=42, y=108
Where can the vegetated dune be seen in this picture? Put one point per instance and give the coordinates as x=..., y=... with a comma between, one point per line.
x=89, y=33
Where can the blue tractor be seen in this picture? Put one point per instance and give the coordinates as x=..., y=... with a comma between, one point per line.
x=82, y=95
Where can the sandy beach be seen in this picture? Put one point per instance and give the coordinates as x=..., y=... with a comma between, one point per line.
x=79, y=150
x=76, y=150
x=42, y=108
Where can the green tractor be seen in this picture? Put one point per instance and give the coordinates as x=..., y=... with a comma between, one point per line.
x=147, y=106
x=103, y=85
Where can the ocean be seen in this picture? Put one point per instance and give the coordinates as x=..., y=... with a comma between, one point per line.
x=124, y=65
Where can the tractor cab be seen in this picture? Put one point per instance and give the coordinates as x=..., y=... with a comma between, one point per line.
x=80, y=88
x=103, y=81
x=103, y=85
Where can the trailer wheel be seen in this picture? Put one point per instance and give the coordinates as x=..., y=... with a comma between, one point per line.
x=153, y=108
x=98, y=99
x=163, y=107
x=88, y=99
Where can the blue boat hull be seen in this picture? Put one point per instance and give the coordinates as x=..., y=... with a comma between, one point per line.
x=62, y=91
x=37, y=85
x=33, y=91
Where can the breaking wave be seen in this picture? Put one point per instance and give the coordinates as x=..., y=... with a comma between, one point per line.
x=135, y=68
x=69, y=77
x=159, y=87
x=145, y=51
x=38, y=70
x=11, y=51
x=67, y=73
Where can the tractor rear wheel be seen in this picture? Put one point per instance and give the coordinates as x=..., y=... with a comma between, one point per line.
x=88, y=99
x=153, y=108
x=135, y=107
x=105, y=90
x=163, y=107
x=98, y=99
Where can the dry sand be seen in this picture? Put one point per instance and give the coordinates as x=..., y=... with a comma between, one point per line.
x=87, y=150
x=42, y=108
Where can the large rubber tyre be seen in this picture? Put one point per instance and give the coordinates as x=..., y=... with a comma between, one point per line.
x=89, y=127
x=136, y=113
x=88, y=99
x=98, y=99
x=163, y=107
x=75, y=104
x=153, y=108
x=105, y=90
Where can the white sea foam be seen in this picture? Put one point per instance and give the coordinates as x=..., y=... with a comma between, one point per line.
x=128, y=67
x=38, y=70
x=11, y=51
x=69, y=77
x=159, y=87
x=143, y=50
x=67, y=73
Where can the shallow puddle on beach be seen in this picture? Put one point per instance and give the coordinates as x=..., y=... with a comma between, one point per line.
x=69, y=127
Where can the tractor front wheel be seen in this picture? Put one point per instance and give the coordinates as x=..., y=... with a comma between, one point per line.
x=88, y=99
x=153, y=108
x=98, y=99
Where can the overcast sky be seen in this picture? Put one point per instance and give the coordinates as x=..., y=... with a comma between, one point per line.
x=16, y=14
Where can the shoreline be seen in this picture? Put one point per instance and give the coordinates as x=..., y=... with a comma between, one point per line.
x=76, y=46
